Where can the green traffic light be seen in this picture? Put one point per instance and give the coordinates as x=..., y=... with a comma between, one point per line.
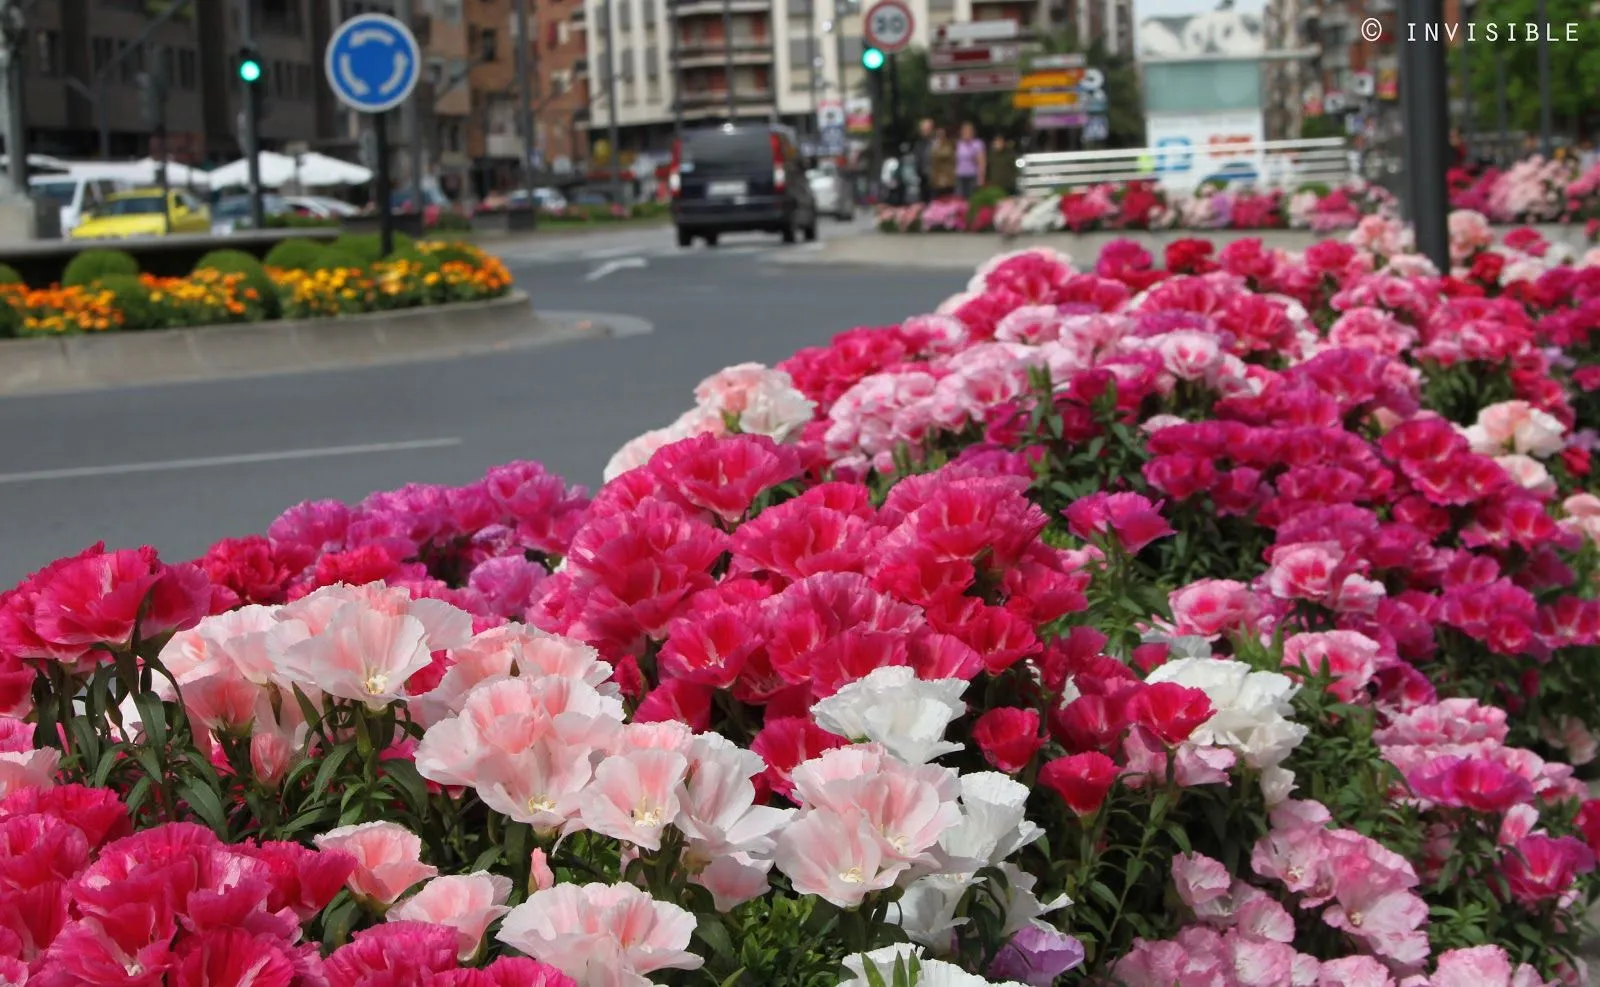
x=872, y=59
x=250, y=70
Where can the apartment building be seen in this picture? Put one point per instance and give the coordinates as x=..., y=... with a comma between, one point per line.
x=745, y=59
x=83, y=64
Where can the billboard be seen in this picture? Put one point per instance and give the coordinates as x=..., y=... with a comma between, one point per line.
x=1175, y=30
x=1190, y=149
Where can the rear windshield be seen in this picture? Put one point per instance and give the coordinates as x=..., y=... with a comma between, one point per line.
x=719, y=147
x=143, y=205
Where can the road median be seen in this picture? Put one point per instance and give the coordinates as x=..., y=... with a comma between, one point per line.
x=126, y=359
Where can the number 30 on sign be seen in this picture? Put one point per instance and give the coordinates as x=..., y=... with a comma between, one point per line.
x=889, y=26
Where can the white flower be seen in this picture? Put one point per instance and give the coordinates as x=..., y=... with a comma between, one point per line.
x=930, y=973
x=1022, y=905
x=1252, y=708
x=1528, y=472
x=993, y=825
x=883, y=960
x=892, y=707
x=926, y=911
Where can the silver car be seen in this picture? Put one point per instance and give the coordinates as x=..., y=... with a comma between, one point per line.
x=835, y=195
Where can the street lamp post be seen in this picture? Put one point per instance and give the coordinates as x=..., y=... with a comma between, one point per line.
x=1423, y=87
x=12, y=43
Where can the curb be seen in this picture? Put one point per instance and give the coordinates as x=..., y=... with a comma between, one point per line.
x=965, y=251
x=163, y=356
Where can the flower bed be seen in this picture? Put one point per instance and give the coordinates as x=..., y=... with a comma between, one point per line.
x=236, y=288
x=1144, y=206
x=1230, y=622
x=1530, y=191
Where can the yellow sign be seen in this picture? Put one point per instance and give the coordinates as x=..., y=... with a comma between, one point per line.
x=1063, y=79
x=1046, y=100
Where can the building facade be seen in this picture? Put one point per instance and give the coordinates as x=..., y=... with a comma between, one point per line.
x=83, y=63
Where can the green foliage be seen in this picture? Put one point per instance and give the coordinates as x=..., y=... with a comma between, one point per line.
x=1326, y=125
x=294, y=255
x=295, y=221
x=447, y=251
x=10, y=320
x=1574, y=68
x=255, y=275
x=369, y=246
x=334, y=258
x=133, y=299
x=451, y=222
x=9, y=275
x=91, y=265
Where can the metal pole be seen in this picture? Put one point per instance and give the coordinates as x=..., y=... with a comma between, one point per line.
x=677, y=69
x=252, y=117
x=12, y=50
x=525, y=96
x=1546, y=146
x=1424, y=76
x=1500, y=105
x=380, y=129
x=611, y=101
x=892, y=69
x=811, y=56
x=727, y=56
x=411, y=121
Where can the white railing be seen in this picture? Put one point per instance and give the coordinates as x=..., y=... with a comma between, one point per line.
x=1266, y=164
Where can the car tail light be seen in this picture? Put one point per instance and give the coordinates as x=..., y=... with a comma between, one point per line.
x=779, y=179
x=674, y=181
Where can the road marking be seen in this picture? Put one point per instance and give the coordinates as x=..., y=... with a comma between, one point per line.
x=244, y=459
x=606, y=253
x=612, y=266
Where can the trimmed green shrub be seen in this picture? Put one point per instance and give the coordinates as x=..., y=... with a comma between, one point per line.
x=1321, y=188
x=133, y=299
x=295, y=255
x=989, y=195
x=451, y=222
x=92, y=265
x=333, y=258
x=368, y=246
x=447, y=251
x=10, y=318
x=255, y=275
x=429, y=262
x=9, y=275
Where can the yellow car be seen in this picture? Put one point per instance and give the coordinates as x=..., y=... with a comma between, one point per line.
x=140, y=213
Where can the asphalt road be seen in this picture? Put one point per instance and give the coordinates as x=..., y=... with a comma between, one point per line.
x=179, y=466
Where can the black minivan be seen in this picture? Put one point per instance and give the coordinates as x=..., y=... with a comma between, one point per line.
x=740, y=177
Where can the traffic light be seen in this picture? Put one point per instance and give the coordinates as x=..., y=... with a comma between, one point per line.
x=872, y=59
x=249, y=66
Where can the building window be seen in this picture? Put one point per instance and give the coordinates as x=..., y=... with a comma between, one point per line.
x=488, y=46
x=280, y=16
x=188, y=71
x=47, y=53
x=305, y=81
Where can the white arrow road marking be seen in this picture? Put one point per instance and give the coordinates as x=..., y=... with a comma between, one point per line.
x=162, y=466
x=347, y=71
x=612, y=266
x=401, y=64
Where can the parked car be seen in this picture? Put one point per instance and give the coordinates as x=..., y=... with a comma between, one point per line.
x=145, y=212
x=1235, y=172
x=740, y=177
x=320, y=206
x=832, y=190
x=232, y=212
x=547, y=199
x=74, y=195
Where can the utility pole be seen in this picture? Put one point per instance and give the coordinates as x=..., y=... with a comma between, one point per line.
x=727, y=57
x=1423, y=89
x=411, y=118
x=525, y=99
x=611, y=100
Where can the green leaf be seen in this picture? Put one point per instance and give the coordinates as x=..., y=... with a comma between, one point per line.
x=715, y=935
x=1105, y=894
x=203, y=802
x=330, y=767
x=404, y=775
x=153, y=714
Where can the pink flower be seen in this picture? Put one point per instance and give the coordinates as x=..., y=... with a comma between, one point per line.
x=602, y=935
x=539, y=870
x=1476, y=783
x=507, y=971
x=388, y=858
x=1201, y=882
x=1541, y=867
x=466, y=903
x=1008, y=737
x=1350, y=658
x=634, y=796
x=837, y=858
x=1134, y=521
x=235, y=956
x=362, y=654
x=1482, y=966
x=21, y=765
x=1211, y=608
x=393, y=953
x=1372, y=900
x=1353, y=971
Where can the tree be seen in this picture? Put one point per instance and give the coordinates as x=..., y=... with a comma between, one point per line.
x=992, y=113
x=1574, y=67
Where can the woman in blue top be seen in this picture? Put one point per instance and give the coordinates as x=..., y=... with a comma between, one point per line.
x=969, y=162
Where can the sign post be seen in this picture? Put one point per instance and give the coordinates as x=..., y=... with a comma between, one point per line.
x=373, y=63
x=889, y=27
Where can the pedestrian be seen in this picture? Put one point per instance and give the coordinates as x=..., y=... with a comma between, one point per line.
x=889, y=182
x=941, y=166
x=922, y=157
x=969, y=162
x=1002, y=165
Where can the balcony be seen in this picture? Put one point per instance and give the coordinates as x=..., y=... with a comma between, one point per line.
x=746, y=51
x=695, y=8
x=717, y=99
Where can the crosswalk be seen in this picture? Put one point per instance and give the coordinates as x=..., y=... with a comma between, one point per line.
x=554, y=254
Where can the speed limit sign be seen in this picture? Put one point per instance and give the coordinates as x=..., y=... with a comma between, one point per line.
x=889, y=26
